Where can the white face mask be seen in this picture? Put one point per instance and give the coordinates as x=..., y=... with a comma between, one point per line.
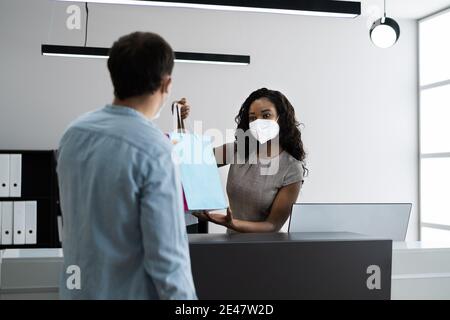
x=158, y=114
x=264, y=130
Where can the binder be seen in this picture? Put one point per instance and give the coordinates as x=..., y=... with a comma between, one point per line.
x=7, y=222
x=60, y=228
x=30, y=222
x=19, y=222
x=4, y=175
x=15, y=177
x=0, y=223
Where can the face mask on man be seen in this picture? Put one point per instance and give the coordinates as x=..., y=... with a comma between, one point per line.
x=158, y=114
x=264, y=130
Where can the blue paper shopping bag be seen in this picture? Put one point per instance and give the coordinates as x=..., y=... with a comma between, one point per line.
x=198, y=170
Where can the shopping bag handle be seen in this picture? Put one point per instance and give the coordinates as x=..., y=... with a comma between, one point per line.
x=178, y=123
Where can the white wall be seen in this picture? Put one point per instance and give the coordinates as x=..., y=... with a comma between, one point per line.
x=358, y=103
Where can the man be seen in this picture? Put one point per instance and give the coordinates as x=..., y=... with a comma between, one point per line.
x=124, y=226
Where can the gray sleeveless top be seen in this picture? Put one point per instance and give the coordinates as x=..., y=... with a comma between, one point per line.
x=252, y=188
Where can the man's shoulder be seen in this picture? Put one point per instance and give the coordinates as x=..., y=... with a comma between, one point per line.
x=138, y=133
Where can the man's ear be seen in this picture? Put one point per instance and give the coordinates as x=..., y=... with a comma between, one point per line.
x=166, y=85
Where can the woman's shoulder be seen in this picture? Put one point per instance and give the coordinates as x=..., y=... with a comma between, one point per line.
x=288, y=158
x=294, y=169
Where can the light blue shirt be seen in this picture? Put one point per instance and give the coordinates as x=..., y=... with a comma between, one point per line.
x=123, y=218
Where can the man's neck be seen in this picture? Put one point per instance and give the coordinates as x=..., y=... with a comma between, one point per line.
x=145, y=105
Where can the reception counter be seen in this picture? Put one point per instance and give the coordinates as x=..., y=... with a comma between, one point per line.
x=242, y=266
x=420, y=270
x=291, y=266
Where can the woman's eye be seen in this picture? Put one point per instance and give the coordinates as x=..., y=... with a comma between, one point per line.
x=266, y=116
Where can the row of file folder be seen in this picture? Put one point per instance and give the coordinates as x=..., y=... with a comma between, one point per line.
x=18, y=222
x=10, y=175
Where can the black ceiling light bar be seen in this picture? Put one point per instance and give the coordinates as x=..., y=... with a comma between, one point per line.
x=194, y=57
x=328, y=8
x=103, y=53
x=74, y=51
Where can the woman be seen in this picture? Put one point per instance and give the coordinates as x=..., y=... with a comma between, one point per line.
x=262, y=188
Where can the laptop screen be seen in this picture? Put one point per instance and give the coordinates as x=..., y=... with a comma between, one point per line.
x=386, y=221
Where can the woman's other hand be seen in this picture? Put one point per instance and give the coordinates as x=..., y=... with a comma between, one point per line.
x=201, y=215
x=220, y=219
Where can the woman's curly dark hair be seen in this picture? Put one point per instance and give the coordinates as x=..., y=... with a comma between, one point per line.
x=290, y=135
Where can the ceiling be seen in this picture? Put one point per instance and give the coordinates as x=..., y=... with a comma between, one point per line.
x=404, y=9
x=401, y=9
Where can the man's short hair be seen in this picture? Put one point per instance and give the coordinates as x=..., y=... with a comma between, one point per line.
x=138, y=62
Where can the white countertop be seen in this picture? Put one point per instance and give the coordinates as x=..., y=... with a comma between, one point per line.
x=420, y=245
x=30, y=253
